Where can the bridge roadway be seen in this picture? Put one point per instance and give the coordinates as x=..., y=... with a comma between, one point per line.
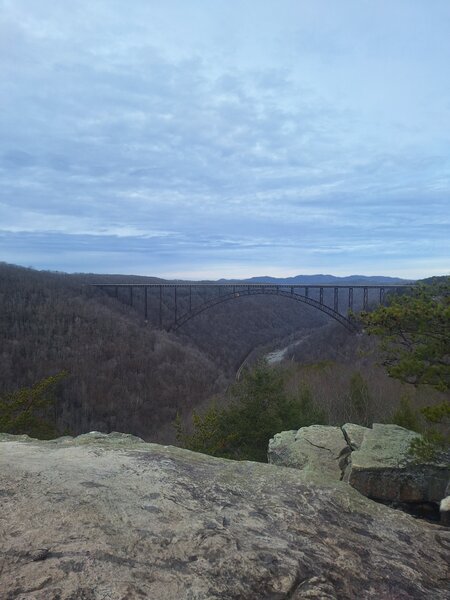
x=313, y=295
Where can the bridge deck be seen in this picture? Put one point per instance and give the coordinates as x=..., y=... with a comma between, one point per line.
x=259, y=285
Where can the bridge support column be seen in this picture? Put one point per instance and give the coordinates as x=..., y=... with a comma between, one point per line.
x=366, y=299
x=350, y=298
x=160, y=306
x=321, y=295
x=146, y=303
x=336, y=299
x=176, y=305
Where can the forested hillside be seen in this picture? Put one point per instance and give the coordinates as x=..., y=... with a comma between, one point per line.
x=347, y=379
x=127, y=375
x=123, y=374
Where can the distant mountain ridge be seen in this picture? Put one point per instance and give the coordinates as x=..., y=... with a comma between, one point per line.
x=320, y=279
x=316, y=279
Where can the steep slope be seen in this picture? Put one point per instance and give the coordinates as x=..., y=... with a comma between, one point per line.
x=122, y=375
x=125, y=374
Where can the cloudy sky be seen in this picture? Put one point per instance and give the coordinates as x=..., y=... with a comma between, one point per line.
x=221, y=138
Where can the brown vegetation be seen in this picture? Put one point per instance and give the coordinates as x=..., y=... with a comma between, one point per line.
x=128, y=376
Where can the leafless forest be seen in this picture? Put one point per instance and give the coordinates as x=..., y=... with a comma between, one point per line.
x=126, y=375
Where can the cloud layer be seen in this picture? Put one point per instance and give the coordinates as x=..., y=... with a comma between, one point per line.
x=184, y=139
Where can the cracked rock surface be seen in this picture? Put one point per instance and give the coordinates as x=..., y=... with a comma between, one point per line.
x=376, y=461
x=317, y=448
x=354, y=434
x=383, y=469
x=111, y=517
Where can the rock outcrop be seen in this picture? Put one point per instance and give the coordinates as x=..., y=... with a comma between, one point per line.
x=354, y=434
x=383, y=469
x=444, y=509
x=317, y=448
x=376, y=462
x=111, y=517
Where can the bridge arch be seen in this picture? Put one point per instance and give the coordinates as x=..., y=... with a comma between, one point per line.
x=187, y=316
x=241, y=289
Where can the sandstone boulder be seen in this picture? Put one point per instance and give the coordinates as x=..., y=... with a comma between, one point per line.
x=354, y=434
x=112, y=517
x=444, y=509
x=377, y=462
x=383, y=468
x=317, y=449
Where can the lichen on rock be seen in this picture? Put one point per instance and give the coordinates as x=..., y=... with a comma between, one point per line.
x=319, y=449
x=383, y=468
x=109, y=516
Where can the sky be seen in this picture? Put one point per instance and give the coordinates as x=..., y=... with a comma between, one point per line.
x=226, y=138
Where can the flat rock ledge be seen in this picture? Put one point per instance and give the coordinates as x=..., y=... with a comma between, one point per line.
x=111, y=517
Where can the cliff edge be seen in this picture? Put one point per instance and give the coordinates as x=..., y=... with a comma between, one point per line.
x=111, y=517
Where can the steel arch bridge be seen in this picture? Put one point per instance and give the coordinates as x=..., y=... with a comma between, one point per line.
x=337, y=301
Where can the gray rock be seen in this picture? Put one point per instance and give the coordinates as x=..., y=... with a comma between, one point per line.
x=315, y=588
x=444, y=509
x=280, y=451
x=110, y=517
x=316, y=449
x=38, y=554
x=354, y=434
x=383, y=468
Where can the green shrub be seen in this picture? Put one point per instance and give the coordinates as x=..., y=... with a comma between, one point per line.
x=359, y=401
x=405, y=416
x=259, y=408
x=415, y=332
x=433, y=442
x=31, y=410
